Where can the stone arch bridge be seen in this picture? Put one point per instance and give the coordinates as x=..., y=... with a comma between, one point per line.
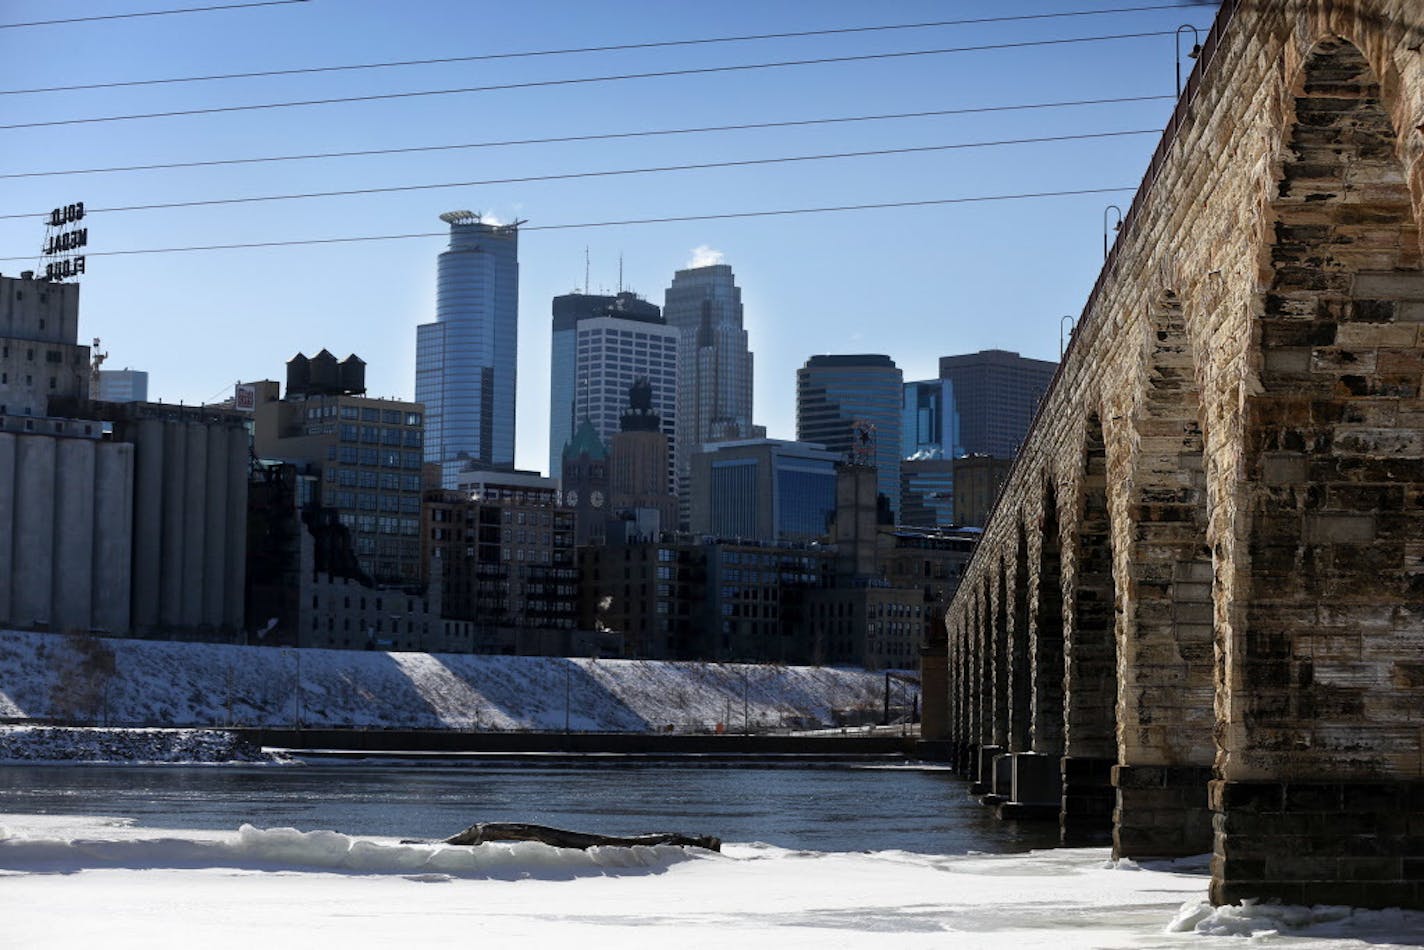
x=1196, y=617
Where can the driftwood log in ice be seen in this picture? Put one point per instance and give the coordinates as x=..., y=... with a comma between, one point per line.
x=559, y=838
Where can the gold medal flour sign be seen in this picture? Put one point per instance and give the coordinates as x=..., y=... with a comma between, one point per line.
x=64, y=242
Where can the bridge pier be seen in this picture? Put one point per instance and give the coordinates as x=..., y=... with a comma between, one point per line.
x=1088, y=800
x=1354, y=843
x=1162, y=811
x=982, y=778
x=1035, y=787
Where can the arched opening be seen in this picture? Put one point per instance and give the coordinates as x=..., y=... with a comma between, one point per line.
x=1166, y=637
x=1020, y=679
x=963, y=680
x=983, y=767
x=1046, y=649
x=1090, y=738
x=1323, y=665
x=1000, y=613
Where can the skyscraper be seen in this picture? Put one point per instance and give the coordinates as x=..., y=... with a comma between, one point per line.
x=929, y=441
x=837, y=395
x=601, y=346
x=928, y=425
x=714, y=390
x=995, y=395
x=465, y=361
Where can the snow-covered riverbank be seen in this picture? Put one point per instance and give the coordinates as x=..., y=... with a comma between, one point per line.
x=21, y=744
x=140, y=682
x=282, y=888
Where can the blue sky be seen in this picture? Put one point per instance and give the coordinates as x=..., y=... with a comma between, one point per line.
x=913, y=283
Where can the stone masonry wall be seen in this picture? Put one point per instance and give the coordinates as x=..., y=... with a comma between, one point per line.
x=1231, y=574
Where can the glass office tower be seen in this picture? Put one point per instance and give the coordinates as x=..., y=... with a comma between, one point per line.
x=929, y=425
x=465, y=362
x=835, y=394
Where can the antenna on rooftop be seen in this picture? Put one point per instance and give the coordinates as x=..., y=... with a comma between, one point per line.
x=620, y=272
x=585, y=269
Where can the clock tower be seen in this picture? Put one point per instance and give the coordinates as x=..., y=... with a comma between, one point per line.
x=585, y=484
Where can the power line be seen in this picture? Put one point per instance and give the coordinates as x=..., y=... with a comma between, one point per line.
x=581, y=80
x=672, y=219
x=147, y=13
x=593, y=137
x=524, y=54
x=608, y=173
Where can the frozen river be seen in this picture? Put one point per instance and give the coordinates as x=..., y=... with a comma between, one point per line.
x=823, y=809
x=310, y=856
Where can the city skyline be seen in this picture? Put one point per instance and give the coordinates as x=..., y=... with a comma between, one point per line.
x=938, y=271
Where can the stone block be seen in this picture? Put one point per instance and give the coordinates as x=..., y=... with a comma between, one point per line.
x=1332, y=528
x=1312, y=797
x=1392, y=285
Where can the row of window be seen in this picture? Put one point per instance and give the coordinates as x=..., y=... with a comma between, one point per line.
x=366, y=478
x=30, y=380
x=50, y=356
x=380, y=603
x=391, y=417
x=368, y=501
x=385, y=458
x=371, y=524
x=351, y=432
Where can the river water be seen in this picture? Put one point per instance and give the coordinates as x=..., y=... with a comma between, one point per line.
x=841, y=808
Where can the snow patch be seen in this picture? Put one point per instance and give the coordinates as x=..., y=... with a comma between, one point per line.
x=287, y=849
x=1261, y=920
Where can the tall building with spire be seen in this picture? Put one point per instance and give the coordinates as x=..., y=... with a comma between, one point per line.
x=714, y=392
x=465, y=362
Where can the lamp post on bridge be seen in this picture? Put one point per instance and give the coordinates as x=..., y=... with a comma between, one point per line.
x=1116, y=226
x=1177, y=48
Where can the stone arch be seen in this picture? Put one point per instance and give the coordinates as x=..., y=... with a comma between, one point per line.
x=999, y=631
x=1332, y=444
x=1372, y=37
x=1020, y=738
x=1046, y=622
x=1322, y=674
x=1166, y=654
x=1090, y=650
x=984, y=666
x=981, y=747
x=1167, y=644
x=955, y=659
